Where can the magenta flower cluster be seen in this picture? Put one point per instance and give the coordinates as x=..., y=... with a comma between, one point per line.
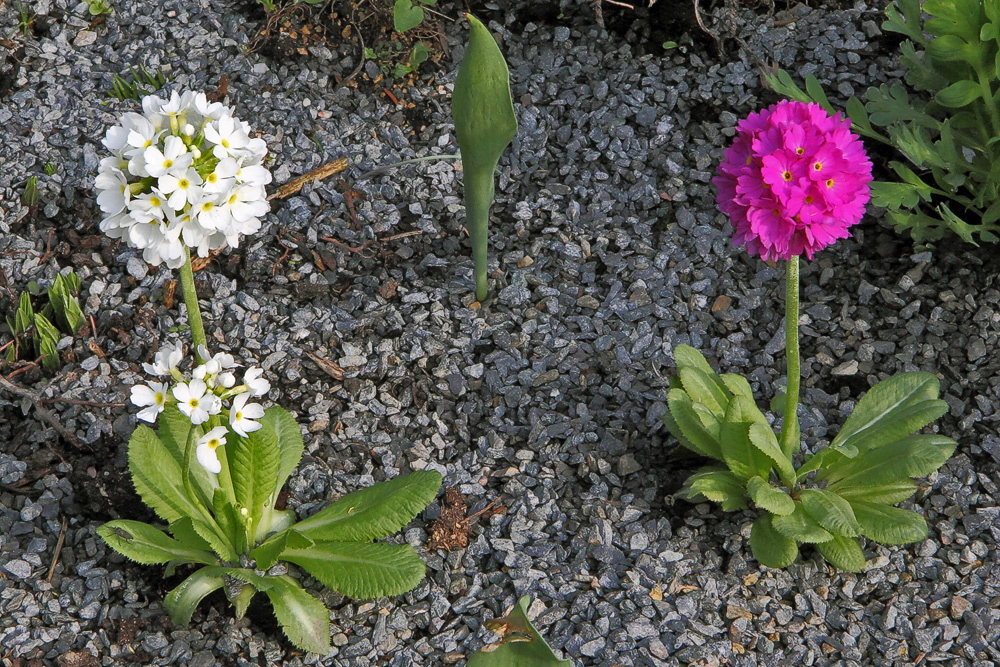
x=793, y=181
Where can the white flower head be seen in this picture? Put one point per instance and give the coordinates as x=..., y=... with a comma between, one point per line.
x=195, y=403
x=164, y=361
x=190, y=166
x=242, y=414
x=207, y=444
x=257, y=385
x=152, y=398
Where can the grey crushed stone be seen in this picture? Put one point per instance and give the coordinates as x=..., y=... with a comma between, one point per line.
x=608, y=250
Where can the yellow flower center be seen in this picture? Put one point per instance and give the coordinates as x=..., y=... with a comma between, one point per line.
x=193, y=402
x=149, y=142
x=225, y=143
x=787, y=175
x=809, y=199
x=829, y=182
x=155, y=201
x=167, y=164
x=214, y=443
x=183, y=184
x=800, y=150
x=818, y=166
x=749, y=159
x=232, y=198
x=158, y=398
x=239, y=416
x=212, y=178
x=207, y=206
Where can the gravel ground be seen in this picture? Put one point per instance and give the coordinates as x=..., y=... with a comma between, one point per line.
x=608, y=251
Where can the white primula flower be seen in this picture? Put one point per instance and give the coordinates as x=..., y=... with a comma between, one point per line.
x=212, y=211
x=182, y=188
x=148, y=206
x=193, y=402
x=253, y=174
x=152, y=398
x=173, y=159
x=207, y=444
x=210, y=110
x=228, y=136
x=164, y=361
x=114, y=193
x=257, y=385
x=222, y=179
x=246, y=202
x=242, y=414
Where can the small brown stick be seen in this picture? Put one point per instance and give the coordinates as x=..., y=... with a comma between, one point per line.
x=361, y=249
x=55, y=556
x=396, y=237
x=620, y=4
x=318, y=174
x=357, y=70
x=80, y=401
x=36, y=400
x=48, y=248
x=701, y=24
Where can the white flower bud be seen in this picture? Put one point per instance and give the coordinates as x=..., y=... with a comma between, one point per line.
x=189, y=130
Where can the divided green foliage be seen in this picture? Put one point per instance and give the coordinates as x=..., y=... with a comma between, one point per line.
x=231, y=520
x=62, y=309
x=485, y=124
x=842, y=492
x=950, y=182
x=520, y=643
x=136, y=83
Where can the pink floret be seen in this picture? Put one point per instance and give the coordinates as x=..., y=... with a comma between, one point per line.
x=794, y=180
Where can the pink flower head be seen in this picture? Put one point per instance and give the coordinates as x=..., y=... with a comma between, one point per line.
x=793, y=181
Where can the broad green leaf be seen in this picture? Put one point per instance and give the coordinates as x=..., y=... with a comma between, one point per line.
x=157, y=477
x=229, y=521
x=888, y=494
x=720, y=486
x=763, y=439
x=830, y=511
x=268, y=553
x=892, y=409
x=769, y=547
x=304, y=619
x=913, y=456
x=375, y=512
x=889, y=525
x=801, y=527
x=220, y=543
x=145, y=544
x=253, y=462
x=686, y=356
x=485, y=124
x=289, y=438
x=180, y=603
x=361, y=570
x=824, y=458
x=704, y=388
x=520, y=644
x=406, y=16
x=183, y=531
x=174, y=428
x=737, y=385
x=843, y=553
x=242, y=601
x=769, y=497
x=742, y=457
x=696, y=436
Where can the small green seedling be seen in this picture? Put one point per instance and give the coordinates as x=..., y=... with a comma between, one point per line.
x=419, y=55
x=407, y=14
x=99, y=8
x=485, y=124
x=50, y=169
x=62, y=307
x=142, y=83
x=520, y=644
x=30, y=197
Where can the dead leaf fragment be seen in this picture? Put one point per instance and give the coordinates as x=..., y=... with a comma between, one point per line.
x=169, y=287
x=450, y=531
x=331, y=368
x=388, y=289
x=317, y=174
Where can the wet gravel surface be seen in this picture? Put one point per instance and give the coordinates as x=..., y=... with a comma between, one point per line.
x=607, y=250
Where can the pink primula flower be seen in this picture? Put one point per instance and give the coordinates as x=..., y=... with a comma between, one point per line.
x=794, y=180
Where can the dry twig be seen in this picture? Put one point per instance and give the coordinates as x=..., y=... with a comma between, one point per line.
x=318, y=174
x=55, y=556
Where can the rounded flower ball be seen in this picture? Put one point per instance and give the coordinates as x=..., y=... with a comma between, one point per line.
x=794, y=180
x=184, y=173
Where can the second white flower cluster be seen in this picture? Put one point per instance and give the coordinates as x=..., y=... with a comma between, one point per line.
x=203, y=397
x=185, y=172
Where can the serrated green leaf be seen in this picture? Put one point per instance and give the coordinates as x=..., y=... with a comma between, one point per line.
x=229, y=521
x=720, y=486
x=843, y=553
x=220, y=543
x=180, y=603
x=801, y=527
x=372, y=513
x=520, y=645
x=157, y=477
x=891, y=410
x=913, y=456
x=183, y=531
x=889, y=525
x=304, y=619
x=174, y=428
x=268, y=553
x=281, y=422
x=705, y=389
x=253, y=463
x=696, y=436
x=769, y=547
x=737, y=385
x=763, y=438
x=686, y=356
x=147, y=545
x=770, y=498
x=888, y=494
x=361, y=570
x=830, y=511
x=740, y=455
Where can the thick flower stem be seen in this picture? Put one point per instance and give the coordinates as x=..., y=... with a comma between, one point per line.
x=191, y=303
x=790, y=427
